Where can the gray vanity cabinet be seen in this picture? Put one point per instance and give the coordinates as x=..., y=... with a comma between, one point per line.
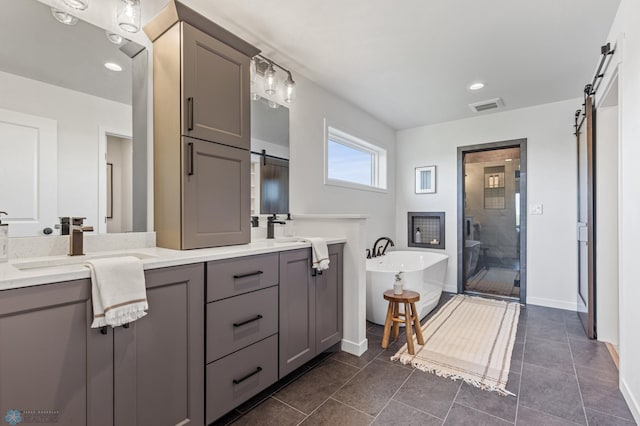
x=202, y=131
x=215, y=97
x=150, y=373
x=310, y=307
x=216, y=195
x=50, y=359
x=158, y=360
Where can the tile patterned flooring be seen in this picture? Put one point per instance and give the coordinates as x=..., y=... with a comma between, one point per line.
x=559, y=376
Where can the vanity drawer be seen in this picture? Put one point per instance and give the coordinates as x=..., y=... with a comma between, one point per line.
x=234, y=379
x=226, y=278
x=240, y=321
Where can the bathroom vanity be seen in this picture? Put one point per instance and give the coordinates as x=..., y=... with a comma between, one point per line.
x=223, y=324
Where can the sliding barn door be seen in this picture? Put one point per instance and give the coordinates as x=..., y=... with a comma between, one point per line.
x=586, y=221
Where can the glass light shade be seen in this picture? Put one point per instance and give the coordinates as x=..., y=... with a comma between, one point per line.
x=252, y=71
x=270, y=80
x=273, y=104
x=77, y=4
x=64, y=17
x=128, y=15
x=113, y=37
x=289, y=90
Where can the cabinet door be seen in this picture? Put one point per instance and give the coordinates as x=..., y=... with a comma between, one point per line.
x=216, y=195
x=297, y=310
x=215, y=90
x=50, y=358
x=329, y=301
x=159, y=359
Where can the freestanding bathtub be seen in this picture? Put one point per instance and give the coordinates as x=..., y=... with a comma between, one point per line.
x=423, y=272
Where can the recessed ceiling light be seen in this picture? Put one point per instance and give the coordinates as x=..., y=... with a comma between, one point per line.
x=113, y=37
x=476, y=86
x=64, y=17
x=112, y=66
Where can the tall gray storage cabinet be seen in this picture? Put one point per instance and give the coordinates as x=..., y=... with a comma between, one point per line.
x=310, y=307
x=202, y=131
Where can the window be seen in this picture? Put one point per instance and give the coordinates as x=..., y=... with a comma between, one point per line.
x=354, y=163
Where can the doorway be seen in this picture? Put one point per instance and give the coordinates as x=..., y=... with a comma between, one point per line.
x=492, y=219
x=119, y=215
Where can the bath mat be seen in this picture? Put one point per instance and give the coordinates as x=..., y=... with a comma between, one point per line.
x=498, y=281
x=469, y=338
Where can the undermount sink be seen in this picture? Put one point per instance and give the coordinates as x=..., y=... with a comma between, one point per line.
x=52, y=262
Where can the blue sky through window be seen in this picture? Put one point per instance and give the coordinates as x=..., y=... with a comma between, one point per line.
x=349, y=164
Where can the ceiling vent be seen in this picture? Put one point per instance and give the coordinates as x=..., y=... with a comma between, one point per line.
x=486, y=105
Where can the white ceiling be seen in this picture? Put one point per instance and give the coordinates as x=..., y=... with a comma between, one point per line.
x=36, y=46
x=409, y=62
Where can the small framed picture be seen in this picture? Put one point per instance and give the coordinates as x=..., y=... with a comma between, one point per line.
x=426, y=180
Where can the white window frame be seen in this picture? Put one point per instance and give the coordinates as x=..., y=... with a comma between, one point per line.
x=378, y=164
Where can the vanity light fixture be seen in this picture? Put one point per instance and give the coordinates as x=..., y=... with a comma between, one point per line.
x=253, y=72
x=289, y=89
x=476, y=86
x=112, y=66
x=128, y=15
x=273, y=105
x=270, y=80
x=64, y=17
x=267, y=69
x=77, y=4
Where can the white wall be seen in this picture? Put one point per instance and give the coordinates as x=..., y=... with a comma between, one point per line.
x=308, y=193
x=551, y=169
x=625, y=36
x=79, y=116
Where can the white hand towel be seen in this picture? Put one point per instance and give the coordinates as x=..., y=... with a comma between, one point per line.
x=118, y=291
x=320, y=253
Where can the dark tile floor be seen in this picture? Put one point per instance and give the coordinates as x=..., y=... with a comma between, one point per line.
x=559, y=376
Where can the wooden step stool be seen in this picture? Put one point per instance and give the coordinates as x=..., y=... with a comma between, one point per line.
x=395, y=317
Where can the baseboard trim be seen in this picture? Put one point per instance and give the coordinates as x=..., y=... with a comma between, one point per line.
x=552, y=303
x=631, y=401
x=614, y=354
x=353, y=348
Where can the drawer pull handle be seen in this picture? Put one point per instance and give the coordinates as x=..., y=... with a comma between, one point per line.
x=249, y=274
x=240, y=324
x=242, y=379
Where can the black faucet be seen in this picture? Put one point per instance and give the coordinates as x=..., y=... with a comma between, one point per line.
x=380, y=251
x=368, y=253
x=272, y=220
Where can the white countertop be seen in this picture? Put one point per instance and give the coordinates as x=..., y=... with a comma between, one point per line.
x=12, y=277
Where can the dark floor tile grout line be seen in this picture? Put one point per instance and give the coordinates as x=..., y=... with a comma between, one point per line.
x=483, y=412
x=347, y=405
x=347, y=364
x=337, y=390
x=453, y=401
x=550, y=415
x=524, y=347
x=392, y=396
x=414, y=408
x=288, y=405
x=575, y=373
x=612, y=415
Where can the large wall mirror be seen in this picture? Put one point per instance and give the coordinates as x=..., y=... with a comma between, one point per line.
x=63, y=116
x=269, y=158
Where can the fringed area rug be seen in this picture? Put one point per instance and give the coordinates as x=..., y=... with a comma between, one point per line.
x=469, y=338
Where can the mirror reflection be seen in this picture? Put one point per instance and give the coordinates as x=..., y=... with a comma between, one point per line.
x=65, y=112
x=270, y=158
